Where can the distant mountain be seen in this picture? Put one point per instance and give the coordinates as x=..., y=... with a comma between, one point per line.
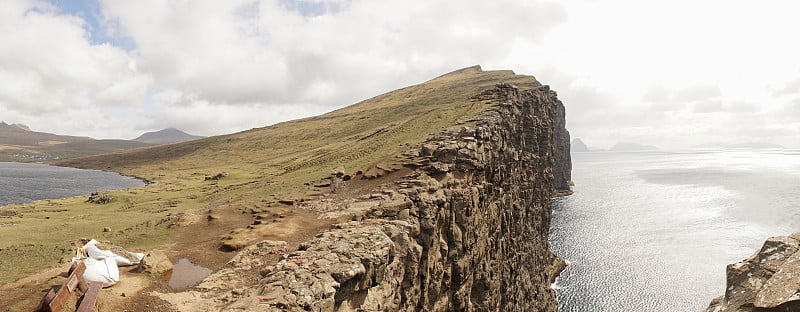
x=745, y=145
x=578, y=146
x=629, y=147
x=17, y=134
x=16, y=125
x=20, y=143
x=168, y=135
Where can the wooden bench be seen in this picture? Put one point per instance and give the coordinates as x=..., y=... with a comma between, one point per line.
x=55, y=301
x=90, y=297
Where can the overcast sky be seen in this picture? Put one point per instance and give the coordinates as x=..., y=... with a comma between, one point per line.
x=668, y=73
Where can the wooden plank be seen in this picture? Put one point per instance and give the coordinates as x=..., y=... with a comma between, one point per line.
x=63, y=294
x=90, y=297
x=44, y=304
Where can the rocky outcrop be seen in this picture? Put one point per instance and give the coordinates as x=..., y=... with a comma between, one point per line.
x=769, y=280
x=465, y=231
x=100, y=198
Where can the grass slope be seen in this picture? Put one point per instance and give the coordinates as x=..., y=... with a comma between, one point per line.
x=265, y=165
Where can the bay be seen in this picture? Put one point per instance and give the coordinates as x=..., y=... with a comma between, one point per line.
x=24, y=182
x=654, y=231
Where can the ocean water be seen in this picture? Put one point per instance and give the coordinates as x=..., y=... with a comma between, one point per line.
x=21, y=183
x=654, y=231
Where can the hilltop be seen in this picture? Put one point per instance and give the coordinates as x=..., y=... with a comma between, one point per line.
x=164, y=136
x=20, y=143
x=294, y=180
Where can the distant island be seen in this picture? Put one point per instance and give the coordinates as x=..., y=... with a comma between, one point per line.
x=630, y=147
x=168, y=135
x=578, y=146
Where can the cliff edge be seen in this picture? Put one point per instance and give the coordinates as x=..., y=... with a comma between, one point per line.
x=464, y=230
x=769, y=280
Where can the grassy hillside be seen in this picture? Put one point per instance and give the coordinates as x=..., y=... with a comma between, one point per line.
x=369, y=136
x=23, y=145
x=265, y=165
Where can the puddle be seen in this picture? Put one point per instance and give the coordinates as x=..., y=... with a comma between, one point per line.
x=186, y=274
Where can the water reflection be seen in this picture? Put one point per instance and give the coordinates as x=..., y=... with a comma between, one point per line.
x=654, y=231
x=186, y=274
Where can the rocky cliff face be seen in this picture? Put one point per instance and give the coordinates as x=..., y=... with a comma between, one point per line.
x=563, y=167
x=769, y=280
x=466, y=231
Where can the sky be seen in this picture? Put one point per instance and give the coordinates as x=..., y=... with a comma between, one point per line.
x=666, y=73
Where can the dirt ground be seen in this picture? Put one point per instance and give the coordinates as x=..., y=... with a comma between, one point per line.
x=200, y=240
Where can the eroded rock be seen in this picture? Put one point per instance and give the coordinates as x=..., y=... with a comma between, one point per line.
x=467, y=231
x=769, y=280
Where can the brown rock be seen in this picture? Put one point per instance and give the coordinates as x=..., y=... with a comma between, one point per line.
x=769, y=280
x=156, y=263
x=471, y=238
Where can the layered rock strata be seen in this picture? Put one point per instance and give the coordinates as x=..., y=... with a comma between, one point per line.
x=769, y=280
x=466, y=231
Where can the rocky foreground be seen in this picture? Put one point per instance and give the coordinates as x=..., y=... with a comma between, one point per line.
x=466, y=231
x=769, y=280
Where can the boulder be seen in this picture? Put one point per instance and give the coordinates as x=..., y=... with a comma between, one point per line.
x=155, y=263
x=769, y=280
x=100, y=198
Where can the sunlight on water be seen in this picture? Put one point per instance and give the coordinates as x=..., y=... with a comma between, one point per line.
x=654, y=231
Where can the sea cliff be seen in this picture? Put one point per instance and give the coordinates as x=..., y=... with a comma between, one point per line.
x=465, y=230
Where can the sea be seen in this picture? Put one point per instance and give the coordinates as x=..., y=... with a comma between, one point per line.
x=24, y=182
x=654, y=231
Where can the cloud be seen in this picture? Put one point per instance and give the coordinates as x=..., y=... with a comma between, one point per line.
x=110, y=58
x=739, y=106
x=697, y=93
x=791, y=87
x=329, y=52
x=711, y=106
x=626, y=70
x=172, y=108
x=47, y=64
x=704, y=98
x=789, y=112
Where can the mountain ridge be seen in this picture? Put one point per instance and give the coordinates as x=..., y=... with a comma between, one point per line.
x=166, y=135
x=19, y=143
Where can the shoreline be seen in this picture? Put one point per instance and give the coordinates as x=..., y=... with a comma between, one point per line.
x=144, y=182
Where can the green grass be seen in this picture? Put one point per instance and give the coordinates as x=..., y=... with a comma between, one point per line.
x=276, y=162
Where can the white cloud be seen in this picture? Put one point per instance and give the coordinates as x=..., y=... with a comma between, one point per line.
x=47, y=66
x=172, y=108
x=245, y=52
x=672, y=73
